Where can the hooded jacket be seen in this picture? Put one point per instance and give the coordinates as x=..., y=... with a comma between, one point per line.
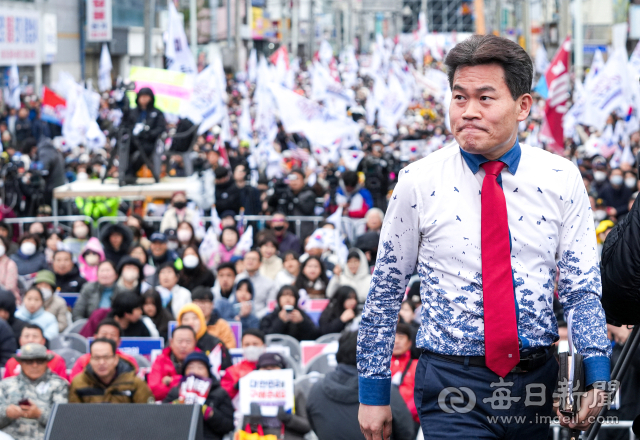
x=126, y=387
x=52, y=165
x=43, y=319
x=127, y=239
x=219, y=328
x=153, y=121
x=163, y=366
x=333, y=403
x=360, y=281
x=32, y=264
x=89, y=299
x=8, y=303
x=303, y=331
x=90, y=273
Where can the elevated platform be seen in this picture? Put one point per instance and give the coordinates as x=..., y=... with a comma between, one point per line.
x=146, y=187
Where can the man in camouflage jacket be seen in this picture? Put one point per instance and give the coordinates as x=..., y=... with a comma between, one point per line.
x=26, y=400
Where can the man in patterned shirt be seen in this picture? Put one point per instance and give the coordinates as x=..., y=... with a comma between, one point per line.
x=487, y=222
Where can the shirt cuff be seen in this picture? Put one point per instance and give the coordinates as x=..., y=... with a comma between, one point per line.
x=596, y=368
x=374, y=391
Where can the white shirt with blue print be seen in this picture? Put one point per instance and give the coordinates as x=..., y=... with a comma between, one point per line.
x=434, y=222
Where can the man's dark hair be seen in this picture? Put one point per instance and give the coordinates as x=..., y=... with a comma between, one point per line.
x=33, y=327
x=350, y=179
x=297, y=171
x=63, y=251
x=404, y=329
x=106, y=341
x=254, y=332
x=257, y=251
x=268, y=238
x=125, y=303
x=201, y=293
x=221, y=172
x=228, y=265
x=490, y=49
x=172, y=266
x=248, y=283
x=111, y=323
x=184, y=327
x=347, y=347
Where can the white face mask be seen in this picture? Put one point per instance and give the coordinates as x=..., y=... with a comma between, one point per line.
x=172, y=245
x=600, y=176
x=46, y=293
x=630, y=182
x=184, y=235
x=27, y=248
x=253, y=353
x=130, y=275
x=600, y=215
x=190, y=261
x=2, y=251
x=92, y=259
x=616, y=180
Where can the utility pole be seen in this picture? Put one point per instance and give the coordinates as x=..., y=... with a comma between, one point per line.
x=578, y=39
x=249, y=20
x=565, y=20
x=526, y=20
x=312, y=30
x=295, y=23
x=284, y=29
x=498, y=29
x=213, y=17
x=229, y=40
x=149, y=24
x=193, y=27
x=238, y=42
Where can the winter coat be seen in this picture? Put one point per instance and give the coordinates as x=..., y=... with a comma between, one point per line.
x=57, y=365
x=152, y=119
x=126, y=387
x=89, y=299
x=164, y=366
x=228, y=309
x=284, y=278
x=228, y=197
x=288, y=242
x=360, y=281
x=90, y=273
x=171, y=219
x=250, y=200
x=9, y=277
x=304, y=331
x=400, y=364
x=174, y=299
x=53, y=167
x=192, y=278
x=217, y=423
x=43, y=319
x=270, y=267
x=8, y=344
x=83, y=361
x=45, y=392
x=8, y=303
x=231, y=379
x=219, y=328
x=127, y=239
x=332, y=408
x=71, y=282
x=264, y=291
x=58, y=308
x=28, y=265
x=143, y=328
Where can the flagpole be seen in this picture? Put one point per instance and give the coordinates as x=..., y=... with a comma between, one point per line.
x=193, y=27
x=578, y=41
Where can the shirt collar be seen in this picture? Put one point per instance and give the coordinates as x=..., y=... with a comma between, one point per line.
x=511, y=159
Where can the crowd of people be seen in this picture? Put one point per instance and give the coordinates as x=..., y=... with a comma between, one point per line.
x=201, y=267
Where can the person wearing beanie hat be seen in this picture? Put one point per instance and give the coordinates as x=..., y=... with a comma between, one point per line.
x=191, y=315
x=217, y=408
x=45, y=280
x=216, y=326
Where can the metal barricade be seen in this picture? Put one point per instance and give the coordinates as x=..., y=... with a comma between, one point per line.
x=620, y=424
x=55, y=219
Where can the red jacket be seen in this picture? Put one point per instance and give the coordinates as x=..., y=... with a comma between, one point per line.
x=398, y=365
x=233, y=375
x=56, y=365
x=163, y=366
x=83, y=361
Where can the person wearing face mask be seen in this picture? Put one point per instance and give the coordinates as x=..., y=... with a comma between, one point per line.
x=178, y=213
x=28, y=258
x=195, y=273
x=160, y=254
x=8, y=271
x=253, y=345
x=81, y=234
x=46, y=281
x=186, y=236
x=631, y=181
x=616, y=194
x=600, y=175
x=92, y=254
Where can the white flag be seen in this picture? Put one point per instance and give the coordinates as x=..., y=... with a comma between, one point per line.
x=206, y=106
x=177, y=52
x=12, y=90
x=252, y=66
x=245, y=132
x=352, y=158
x=104, y=71
x=245, y=243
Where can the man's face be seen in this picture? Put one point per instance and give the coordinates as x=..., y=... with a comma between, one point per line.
x=23, y=113
x=116, y=240
x=226, y=279
x=103, y=360
x=279, y=225
x=252, y=262
x=402, y=345
x=34, y=369
x=251, y=341
x=143, y=101
x=109, y=332
x=182, y=343
x=31, y=336
x=239, y=174
x=62, y=263
x=168, y=278
x=205, y=305
x=158, y=248
x=296, y=182
x=484, y=116
x=213, y=157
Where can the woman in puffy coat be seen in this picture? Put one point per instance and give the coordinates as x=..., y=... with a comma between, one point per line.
x=90, y=257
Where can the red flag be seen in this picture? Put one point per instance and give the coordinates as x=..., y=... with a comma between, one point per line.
x=53, y=107
x=559, y=84
x=281, y=52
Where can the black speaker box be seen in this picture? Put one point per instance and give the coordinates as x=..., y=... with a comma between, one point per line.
x=96, y=421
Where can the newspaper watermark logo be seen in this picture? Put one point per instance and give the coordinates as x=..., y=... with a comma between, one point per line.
x=457, y=401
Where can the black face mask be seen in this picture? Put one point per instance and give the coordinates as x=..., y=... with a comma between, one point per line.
x=278, y=228
x=180, y=205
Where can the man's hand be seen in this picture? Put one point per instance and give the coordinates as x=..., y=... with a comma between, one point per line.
x=375, y=421
x=296, y=316
x=590, y=406
x=31, y=411
x=14, y=412
x=167, y=380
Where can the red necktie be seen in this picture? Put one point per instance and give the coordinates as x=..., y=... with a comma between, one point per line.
x=500, y=326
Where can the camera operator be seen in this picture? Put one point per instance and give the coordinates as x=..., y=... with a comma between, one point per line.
x=294, y=197
x=46, y=163
x=147, y=124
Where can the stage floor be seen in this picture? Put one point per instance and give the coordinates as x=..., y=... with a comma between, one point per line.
x=146, y=187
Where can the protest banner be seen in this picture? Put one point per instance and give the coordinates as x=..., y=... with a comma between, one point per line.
x=194, y=390
x=137, y=346
x=269, y=389
x=171, y=89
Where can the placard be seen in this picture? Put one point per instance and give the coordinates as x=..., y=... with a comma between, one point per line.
x=70, y=298
x=268, y=388
x=134, y=346
x=19, y=37
x=99, y=26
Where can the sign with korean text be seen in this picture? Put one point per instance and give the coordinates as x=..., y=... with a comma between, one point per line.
x=137, y=346
x=19, y=37
x=269, y=389
x=99, y=20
